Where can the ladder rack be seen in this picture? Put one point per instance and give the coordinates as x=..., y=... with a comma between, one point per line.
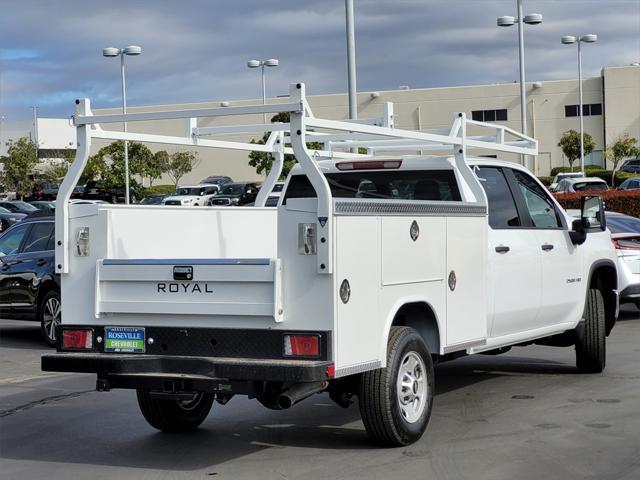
x=339, y=140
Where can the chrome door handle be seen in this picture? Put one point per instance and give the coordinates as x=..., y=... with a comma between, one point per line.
x=547, y=246
x=502, y=249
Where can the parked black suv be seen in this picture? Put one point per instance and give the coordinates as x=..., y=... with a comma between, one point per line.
x=236, y=194
x=29, y=286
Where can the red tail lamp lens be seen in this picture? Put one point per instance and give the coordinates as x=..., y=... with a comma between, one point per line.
x=77, y=339
x=301, y=346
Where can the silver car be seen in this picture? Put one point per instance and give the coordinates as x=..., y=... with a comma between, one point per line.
x=582, y=184
x=625, y=235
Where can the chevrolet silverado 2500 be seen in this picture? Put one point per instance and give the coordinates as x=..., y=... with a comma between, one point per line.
x=373, y=267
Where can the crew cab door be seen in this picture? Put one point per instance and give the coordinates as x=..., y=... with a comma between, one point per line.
x=514, y=269
x=562, y=290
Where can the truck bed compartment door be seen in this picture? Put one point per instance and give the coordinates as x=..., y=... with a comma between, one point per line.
x=229, y=287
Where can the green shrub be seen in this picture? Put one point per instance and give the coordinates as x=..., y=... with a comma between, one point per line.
x=158, y=190
x=587, y=168
x=621, y=201
x=606, y=175
x=546, y=181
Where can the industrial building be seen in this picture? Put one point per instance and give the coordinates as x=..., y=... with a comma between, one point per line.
x=611, y=108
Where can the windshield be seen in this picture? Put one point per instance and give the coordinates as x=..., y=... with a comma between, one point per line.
x=392, y=184
x=189, y=191
x=20, y=206
x=590, y=186
x=233, y=189
x=561, y=176
x=4, y=210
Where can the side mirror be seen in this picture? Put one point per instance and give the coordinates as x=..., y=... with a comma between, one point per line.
x=578, y=233
x=592, y=213
x=592, y=219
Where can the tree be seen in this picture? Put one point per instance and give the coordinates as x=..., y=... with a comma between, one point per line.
x=263, y=161
x=22, y=157
x=570, y=145
x=156, y=166
x=56, y=171
x=623, y=147
x=180, y=163
x=108, y=163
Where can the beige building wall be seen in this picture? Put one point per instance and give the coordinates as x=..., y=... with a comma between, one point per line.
x=617, y=89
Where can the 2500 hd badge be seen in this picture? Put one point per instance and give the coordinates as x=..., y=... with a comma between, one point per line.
x=175, y=287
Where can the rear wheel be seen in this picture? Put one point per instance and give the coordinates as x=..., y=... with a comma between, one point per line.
x=175, y=415
x=396, y=401
x=591, y=350
x=50, y=314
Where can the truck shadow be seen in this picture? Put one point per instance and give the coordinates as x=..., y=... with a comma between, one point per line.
x=108, y=430
x=21, y=334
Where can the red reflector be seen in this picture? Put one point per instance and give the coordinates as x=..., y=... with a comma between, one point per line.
x=301, y=346
x=331, y=371
x=369, y=165
x=77, y=339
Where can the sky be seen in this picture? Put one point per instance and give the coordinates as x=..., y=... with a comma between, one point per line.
x=196, y=50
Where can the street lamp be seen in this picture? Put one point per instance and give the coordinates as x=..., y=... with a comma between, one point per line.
x=569, y=40
x=507, y=21
x=272, y=62
x=121, y=52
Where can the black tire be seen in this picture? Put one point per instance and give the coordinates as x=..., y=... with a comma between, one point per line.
x=591, y=353
x=380, y=405
x=173, y=415
x=50, y=313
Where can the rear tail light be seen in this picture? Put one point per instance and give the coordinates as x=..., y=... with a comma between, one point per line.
x=77, y=339
x=369, y=165
x=630, y=243
x=301, y=346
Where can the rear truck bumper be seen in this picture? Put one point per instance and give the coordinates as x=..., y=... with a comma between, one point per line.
x=185, y=358
x=176, y=373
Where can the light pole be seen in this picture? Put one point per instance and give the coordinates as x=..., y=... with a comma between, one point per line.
x=35, y=125
x=507, y=21
x=569, y=40
x=351, y=59
x=121, y=52
x=272, y=62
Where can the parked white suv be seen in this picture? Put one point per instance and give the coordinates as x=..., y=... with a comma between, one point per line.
x=194, y=195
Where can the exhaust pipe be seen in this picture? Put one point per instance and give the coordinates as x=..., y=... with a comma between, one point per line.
x=298, y=392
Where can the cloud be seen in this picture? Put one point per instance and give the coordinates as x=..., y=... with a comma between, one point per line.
x=196, y=50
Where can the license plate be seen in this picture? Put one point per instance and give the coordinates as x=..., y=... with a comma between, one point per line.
x=124, y=339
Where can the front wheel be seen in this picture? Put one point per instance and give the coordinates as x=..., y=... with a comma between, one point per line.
x=175, y=415
x=591, y=353
x=396, y=401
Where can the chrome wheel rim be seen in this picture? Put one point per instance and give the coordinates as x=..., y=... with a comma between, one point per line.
x=411, y=387
x=192, y=403
x=51, y=317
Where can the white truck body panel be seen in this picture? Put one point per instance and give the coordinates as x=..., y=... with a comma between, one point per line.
x=249, y=273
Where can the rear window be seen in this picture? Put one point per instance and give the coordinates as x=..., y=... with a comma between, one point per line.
x=439, y=185
x=590, y=186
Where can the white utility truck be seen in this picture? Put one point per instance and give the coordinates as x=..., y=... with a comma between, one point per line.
x=372, y=268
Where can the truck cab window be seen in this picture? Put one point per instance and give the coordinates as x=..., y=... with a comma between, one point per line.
x=502, y=207
x=435, y=185
x=541, y=209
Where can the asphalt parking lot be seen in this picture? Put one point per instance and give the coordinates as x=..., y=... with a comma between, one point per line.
x=524, y=415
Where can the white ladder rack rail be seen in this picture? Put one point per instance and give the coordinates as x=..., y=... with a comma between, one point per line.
x=376, y=135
